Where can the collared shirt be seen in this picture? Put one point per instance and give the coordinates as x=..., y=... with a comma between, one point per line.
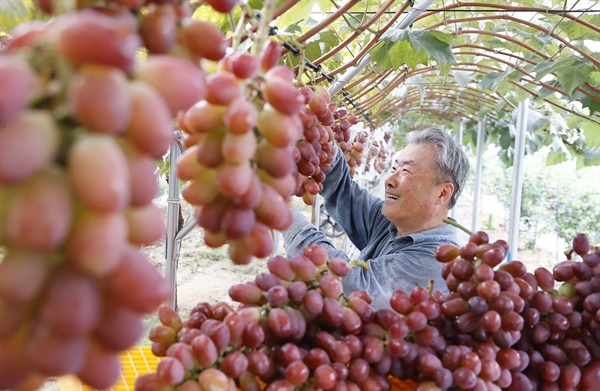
x=395, y=262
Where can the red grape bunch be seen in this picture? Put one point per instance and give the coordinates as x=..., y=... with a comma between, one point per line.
x=314, y=151
x=239, y=163
x=293, y=329
x=83, y=123
x=354, y=155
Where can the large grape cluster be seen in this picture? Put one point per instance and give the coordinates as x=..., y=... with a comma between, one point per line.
x=82, y=125
x=500, y=328
x=315, y=150
x=239, y=162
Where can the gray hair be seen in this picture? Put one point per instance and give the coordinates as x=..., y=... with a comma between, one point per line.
x=453, y=164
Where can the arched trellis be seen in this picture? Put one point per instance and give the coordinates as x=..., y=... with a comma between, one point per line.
x=371, y=87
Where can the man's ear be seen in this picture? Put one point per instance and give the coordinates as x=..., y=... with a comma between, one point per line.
x=446, y=193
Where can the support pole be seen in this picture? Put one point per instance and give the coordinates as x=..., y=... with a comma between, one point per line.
x=458, y=137
x=478, y=171
x=173, y=208
x=517, y=179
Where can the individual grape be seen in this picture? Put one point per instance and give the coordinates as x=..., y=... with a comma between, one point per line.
x=563, y=271
x=119, y=327
x=234, y=365
x=40, y=213
x=464, y=378
x=269, y=56
x=149, y=127
x=277, y=295
x=89, y=36
x=214, y=379
x=31, y=134
x=166, y=74
x=109, y=85
x=245, y=293
x=338, y=266
x=544, y=278
x=489, y=289
x=401, y=302
x=297, y=373
x=325, y=377
x=493, y=256
x=203, y=118
x=581, y=244
x=330, y=286
x=158, y=28
x=491, y=321
x=515, y=268
x=462, y=270
x=542, y=301
x=296, y=291
x=143, y=180
x=279, y=129
x=282, y=94
x=19, y=86
x=469, y=251
x=101, y=368
x=97, y=242
x=52, y=354
x=279, y=322
x=23, y=274
x=303, y=268
x=570, y=376
x=504, y=279
x=95, y=161
x=136, y=283
x=203, y=39
x=281, y=267
x=332, y=313
x=71, y=305
x=170, y=370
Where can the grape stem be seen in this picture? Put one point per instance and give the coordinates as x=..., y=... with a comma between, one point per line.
x=453, y=222
x=358, y=263
x=263, y=27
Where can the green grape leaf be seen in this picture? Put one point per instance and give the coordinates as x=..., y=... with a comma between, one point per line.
x=463, y=78
x=591, y=131
x=577, y=31
x=590, y=157
x=294, y=28
x=329, y=37
x=571, y=72
x=300, y=11
x=493, y=79
x=415, y=46
x=312, y=51
x=556, y=157
x=595, y=78
x=542, y=69
x=586, y=101
x=379, y=55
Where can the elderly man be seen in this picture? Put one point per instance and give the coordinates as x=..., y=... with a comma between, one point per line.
x=396, y=236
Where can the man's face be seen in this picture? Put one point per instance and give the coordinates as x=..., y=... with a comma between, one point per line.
x=410, y=190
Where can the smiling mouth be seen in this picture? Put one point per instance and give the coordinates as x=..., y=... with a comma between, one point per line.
x=391, y=197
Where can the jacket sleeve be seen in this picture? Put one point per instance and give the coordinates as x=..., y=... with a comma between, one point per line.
x=404, y=270
x=302, y=233
x=352, y=207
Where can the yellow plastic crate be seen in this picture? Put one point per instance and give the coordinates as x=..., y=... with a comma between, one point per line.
x=134, y=362
x=140, y=360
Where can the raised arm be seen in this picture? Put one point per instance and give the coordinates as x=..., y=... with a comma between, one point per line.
x=352, y=207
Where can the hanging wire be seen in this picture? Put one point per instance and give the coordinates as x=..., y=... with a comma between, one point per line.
x=318, y=69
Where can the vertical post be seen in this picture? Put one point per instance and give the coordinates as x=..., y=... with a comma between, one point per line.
x=478, y=171
x=517, y=179
x=173, y=207
x=458, y=137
